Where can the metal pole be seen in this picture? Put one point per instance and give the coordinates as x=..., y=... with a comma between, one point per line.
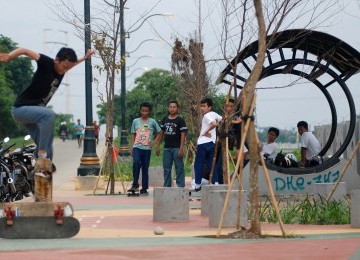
x=124, y=145
x=89, y=164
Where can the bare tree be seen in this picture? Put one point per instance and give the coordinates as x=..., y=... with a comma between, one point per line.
x=188, y=66
x=105, y=32
x=238, y=29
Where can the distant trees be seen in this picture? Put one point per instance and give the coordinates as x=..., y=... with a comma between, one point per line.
x=158, y=87
x=13, y=78
x=286, y=136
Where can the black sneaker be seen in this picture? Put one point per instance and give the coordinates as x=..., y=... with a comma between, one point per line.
x=144, y=192
x=134, y=188
x=197, y=189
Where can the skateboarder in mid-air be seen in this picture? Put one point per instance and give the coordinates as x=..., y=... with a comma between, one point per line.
x=30, y=108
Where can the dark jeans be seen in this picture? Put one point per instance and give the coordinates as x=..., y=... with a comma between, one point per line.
x=141, y=160
x=204, y=156
x=39, y=122
x=170, y=156
x=219, y=165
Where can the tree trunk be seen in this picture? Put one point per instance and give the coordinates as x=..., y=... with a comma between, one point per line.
x=248, y=97
x=109, y=147
x=254, y=189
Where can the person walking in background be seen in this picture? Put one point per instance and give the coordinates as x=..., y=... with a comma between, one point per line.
x=96, y=131
x=206, y=142
x=79, y=128
x=143, y=130
x=173, y=131
x=310, y=146
x=29, y=108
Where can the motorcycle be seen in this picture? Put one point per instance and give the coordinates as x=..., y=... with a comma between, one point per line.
x=17, y=171
x=7, y=186
x=63, y=135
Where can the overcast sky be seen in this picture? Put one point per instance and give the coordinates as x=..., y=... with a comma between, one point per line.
x=25, y=22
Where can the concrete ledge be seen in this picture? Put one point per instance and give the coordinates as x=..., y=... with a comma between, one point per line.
x=216, y=202
x=355, y=209
x=171, y=204
x=205, y=190
x=156, y=176
x=89, y=182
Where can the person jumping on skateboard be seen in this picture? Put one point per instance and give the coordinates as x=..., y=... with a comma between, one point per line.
x=30, y=108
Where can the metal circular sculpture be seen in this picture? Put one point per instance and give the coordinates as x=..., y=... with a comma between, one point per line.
x=290, y=52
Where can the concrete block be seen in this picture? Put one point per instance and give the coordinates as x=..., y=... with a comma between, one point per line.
x=355, y=209
x=156, y=176
x=357, y=138
x=89, y=182
x=171, y=204
x=323, y=190
x=205, y=191
x=216, y=202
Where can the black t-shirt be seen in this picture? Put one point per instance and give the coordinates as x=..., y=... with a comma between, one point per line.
x=172, y=131
x=43, y=86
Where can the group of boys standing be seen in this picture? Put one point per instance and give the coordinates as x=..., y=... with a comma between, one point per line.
x=173, y=131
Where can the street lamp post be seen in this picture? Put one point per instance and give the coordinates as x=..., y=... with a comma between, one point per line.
x=89, y=164
x=124, y=144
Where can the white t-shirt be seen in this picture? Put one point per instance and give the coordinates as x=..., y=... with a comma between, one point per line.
x=269, y=149
x=312, y=145
x=205, y=125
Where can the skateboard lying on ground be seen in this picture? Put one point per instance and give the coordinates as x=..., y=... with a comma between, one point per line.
x=37, y=220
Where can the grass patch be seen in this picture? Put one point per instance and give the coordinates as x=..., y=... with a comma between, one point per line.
x=125, y=165
x=307, y=210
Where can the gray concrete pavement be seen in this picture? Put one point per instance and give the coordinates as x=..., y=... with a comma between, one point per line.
x=119, y=227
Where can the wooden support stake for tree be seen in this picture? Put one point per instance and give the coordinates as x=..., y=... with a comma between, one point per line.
x=240, y=157
x=272, y=195
x=214, y=159
x=101, y=167
x=227, y=173
x=240, y=185
x=344, y=171
x=121, y=176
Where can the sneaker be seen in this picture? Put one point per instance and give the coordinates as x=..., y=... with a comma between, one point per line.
x=144, y=192
x=197, y=189
x=134, y=188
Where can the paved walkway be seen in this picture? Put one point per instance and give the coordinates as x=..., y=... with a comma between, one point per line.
x=119, y=227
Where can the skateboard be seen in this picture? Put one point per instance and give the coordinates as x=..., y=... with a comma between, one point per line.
x=40, y=220
x=132, y=193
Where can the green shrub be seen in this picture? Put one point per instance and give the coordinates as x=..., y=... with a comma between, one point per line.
x=307, y=211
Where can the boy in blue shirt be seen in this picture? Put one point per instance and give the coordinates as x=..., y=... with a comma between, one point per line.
x=142, y=130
